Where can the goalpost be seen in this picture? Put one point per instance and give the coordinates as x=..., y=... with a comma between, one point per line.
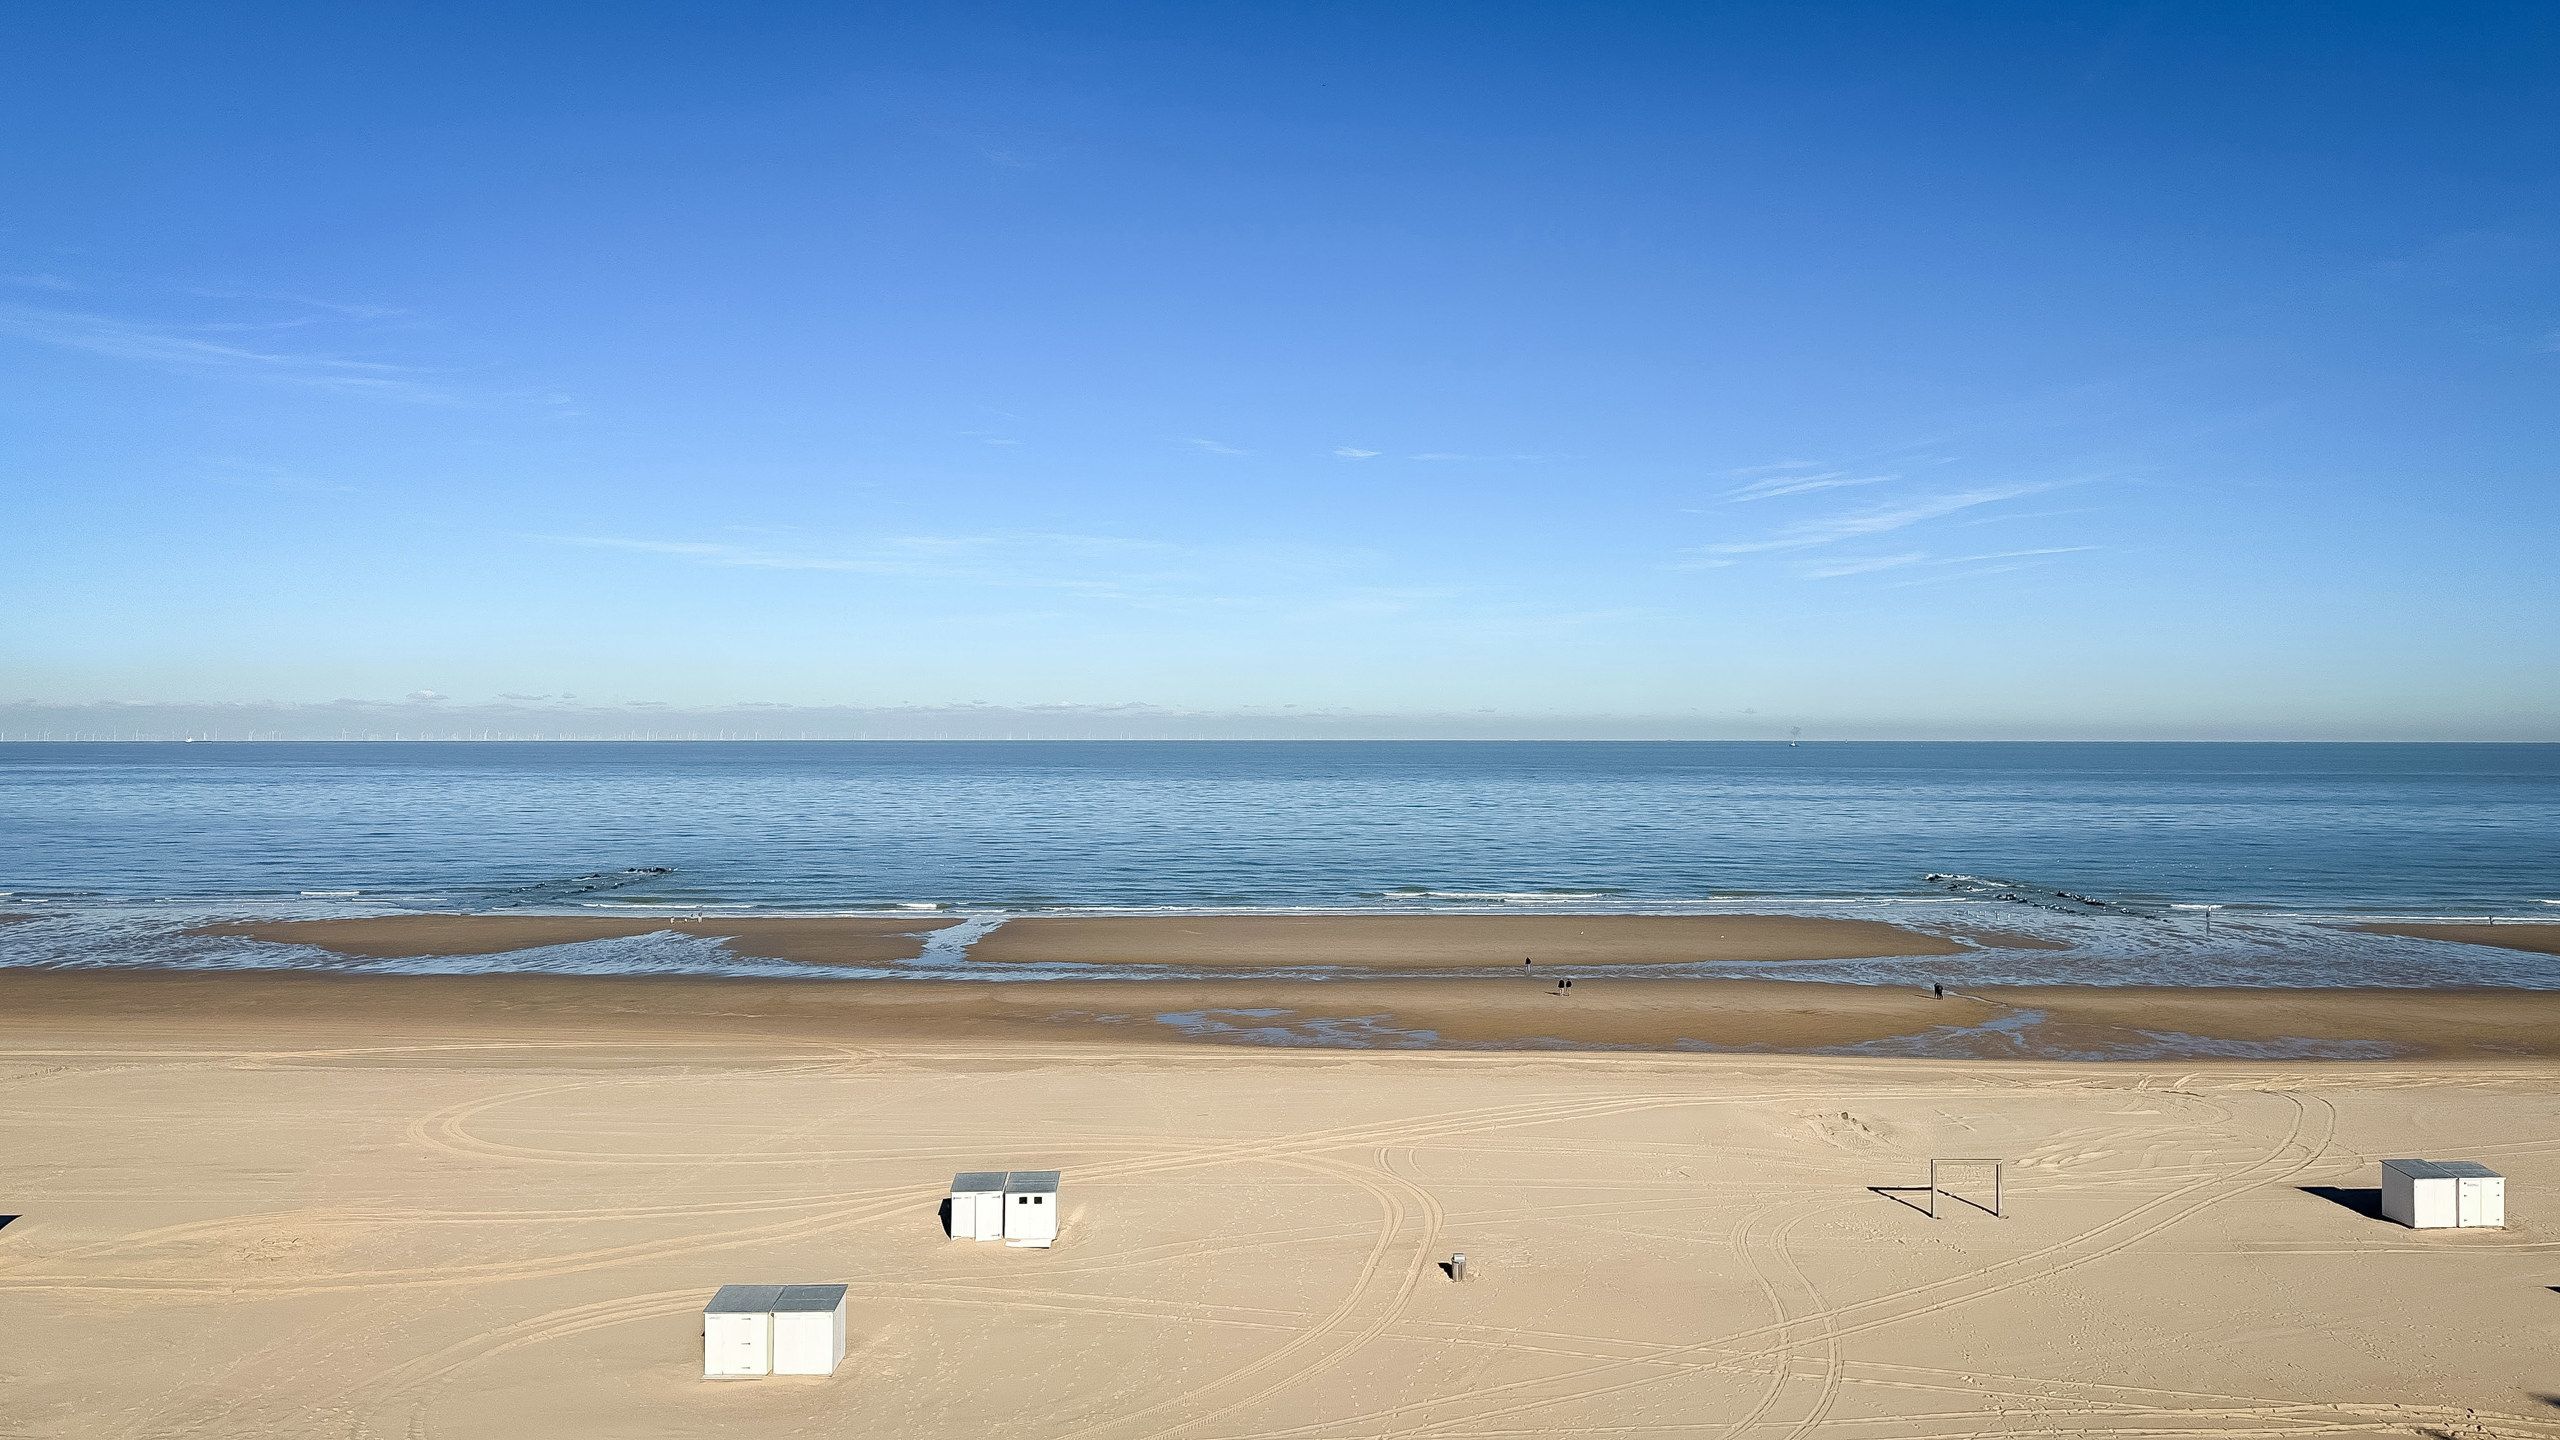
x=1960, y=1168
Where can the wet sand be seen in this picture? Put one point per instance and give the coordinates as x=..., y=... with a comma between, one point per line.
x=819, y=940
x=267, y=1205
x=1441, y=942
x=2052, y=1022
x=2532, y=937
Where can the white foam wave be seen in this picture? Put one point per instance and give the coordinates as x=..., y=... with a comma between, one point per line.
x=1502, y=897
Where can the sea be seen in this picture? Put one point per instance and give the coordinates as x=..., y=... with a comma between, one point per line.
x=2146, y=863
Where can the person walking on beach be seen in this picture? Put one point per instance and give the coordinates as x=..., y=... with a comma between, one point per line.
x=1938, y=990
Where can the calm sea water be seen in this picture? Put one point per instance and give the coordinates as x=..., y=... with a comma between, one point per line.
x=2341, y=827
x=2270, y=830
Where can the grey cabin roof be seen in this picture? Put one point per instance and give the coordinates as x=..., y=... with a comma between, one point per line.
x=743, y=1300
x=2416, y=1169
x=977, y=1182
x=2468, y=1170
x=1032, y=1181
x=764, y=1299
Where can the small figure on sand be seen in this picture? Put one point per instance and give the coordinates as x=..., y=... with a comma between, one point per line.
x=1937, y=990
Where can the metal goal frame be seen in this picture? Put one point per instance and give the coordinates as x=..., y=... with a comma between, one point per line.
x=1998, y=1169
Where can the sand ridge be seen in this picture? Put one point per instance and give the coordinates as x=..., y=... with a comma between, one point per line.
x=2533, y=937
x=1444, y=941
x=817, y=940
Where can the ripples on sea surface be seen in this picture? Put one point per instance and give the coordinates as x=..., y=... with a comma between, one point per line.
x=116, y=833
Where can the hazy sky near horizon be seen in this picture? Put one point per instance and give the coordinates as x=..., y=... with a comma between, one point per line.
x=1974, y=369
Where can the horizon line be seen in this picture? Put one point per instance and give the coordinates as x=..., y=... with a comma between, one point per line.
x=1781, y=743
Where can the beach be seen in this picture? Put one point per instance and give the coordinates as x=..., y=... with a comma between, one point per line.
x=262, y=1204
x=337, y=1197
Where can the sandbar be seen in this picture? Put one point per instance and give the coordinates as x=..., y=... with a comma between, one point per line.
x=2532, y=936
x=1440, y=942
x=813, y=940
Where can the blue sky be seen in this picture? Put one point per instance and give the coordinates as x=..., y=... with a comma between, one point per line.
x=2085, y=370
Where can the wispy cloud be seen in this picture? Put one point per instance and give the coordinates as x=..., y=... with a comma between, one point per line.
x=966, y=556
x=1799, y=483
x=1092, y=564
x=1214, y=447
x=1836, y=569
x=299, y=310
x=255, y=475
x=982, y=142
x=1241, y=583
x=186, y=349
x=1870, y=520
x=729, y=553
x=1999, y=562
x=1931, y=569
x=1354, y=452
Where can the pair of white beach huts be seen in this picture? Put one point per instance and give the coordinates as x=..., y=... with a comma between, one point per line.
x=1018, y=1207
x=2444, y=1195
x=751, y=1330
x=773, y=1330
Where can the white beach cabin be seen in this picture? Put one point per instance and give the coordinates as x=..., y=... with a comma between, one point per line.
x=808, y=1330
x=977, y=1205
x=1031, y=1208
x=752, y=1330
x=737, y=1332
x=2444, y=1194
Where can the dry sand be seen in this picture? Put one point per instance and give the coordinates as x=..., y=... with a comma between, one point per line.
x=816, y=940
x=402, y=1208
x=2532, y=936
x=1439, y=942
